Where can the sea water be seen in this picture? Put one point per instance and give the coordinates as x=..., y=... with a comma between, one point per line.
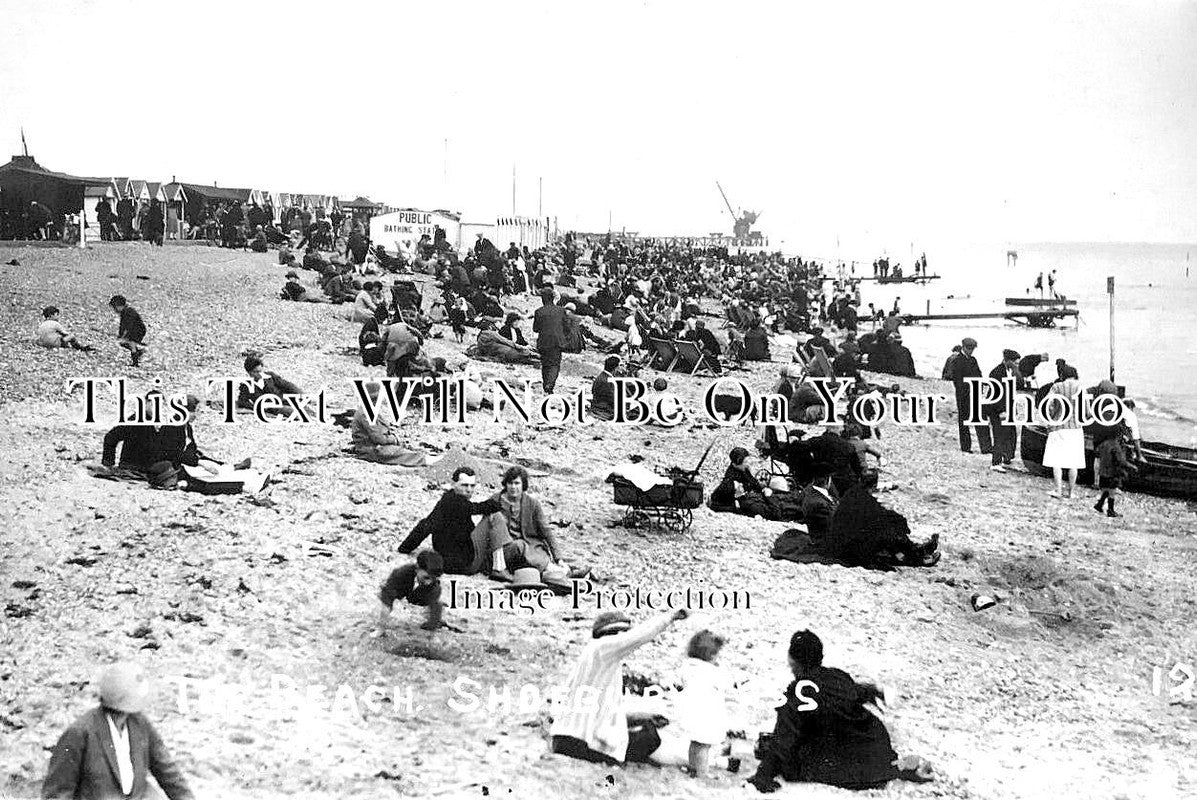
x=1155, y=345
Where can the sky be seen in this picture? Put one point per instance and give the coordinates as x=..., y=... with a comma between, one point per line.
x=880, y=126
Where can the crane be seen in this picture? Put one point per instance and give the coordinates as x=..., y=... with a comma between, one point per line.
x=741, y=224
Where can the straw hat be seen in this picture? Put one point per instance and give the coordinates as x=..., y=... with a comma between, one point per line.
x=124, y=687
x=526, y=578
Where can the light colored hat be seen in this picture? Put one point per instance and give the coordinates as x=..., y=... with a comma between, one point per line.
x=124, y=687
x=526, y=578
x=778, y=483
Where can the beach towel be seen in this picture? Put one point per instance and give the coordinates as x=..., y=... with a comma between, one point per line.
x=639, y=476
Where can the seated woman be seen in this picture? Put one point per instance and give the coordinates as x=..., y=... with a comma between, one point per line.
x=854, y=434
x=381, y=440
x=511, y=330
x=830, y=731
x=866, y=534
x=366, y=301
x=264, y=383
x=370, y=342
x=740, y=492
x=519, y=532
x=756, y=343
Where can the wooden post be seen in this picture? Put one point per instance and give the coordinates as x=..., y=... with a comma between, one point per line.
x=82, y=222
x=1110, y=291
x=928, y=307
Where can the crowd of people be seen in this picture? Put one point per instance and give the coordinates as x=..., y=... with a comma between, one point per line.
x=733, y=310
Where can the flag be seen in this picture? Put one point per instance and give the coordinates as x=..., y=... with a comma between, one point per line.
x=24, y=147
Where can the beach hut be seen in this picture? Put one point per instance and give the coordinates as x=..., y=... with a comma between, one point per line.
x=92, y=196
x=174, y=197
x=24, y=181
x=361, y=209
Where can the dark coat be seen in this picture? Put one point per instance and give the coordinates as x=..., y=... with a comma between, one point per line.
x=450, y=524
x=839, y=743
x=131, y=326
x=83, y=764
x=548, y=323
x=817, y=511
x=144, y=447
x=724, y=496
x=865, y=533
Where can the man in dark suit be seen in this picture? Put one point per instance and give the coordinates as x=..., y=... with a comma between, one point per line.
x=964, y=367
x=462, y=544
x=109, y=751
x=548, y=323
x=1005, y=435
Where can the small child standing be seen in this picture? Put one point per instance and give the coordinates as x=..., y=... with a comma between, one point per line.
x=419, y=584
x=702, y=706
x=131, y=333
x=1113, y=468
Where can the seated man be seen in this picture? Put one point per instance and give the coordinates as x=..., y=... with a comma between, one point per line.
x=847, y=363
x=819, y=501
x=403, y=344
x=602, y=391
x=706, y=342
x=590, y=722
x=339, y=285
x=418, y=583
x=461, y=543
x=50, y=332
x=865, y=533
x=520, y=532
x=839, y=738
x=294, y=290
x=577, y=333
x=151, y=452
x=314, y=261
x=264, y=383
x=756, y=343
x=381, y=440
x=838, y=454
x=258, y=243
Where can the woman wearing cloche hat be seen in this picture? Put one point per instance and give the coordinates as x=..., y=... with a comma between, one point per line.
x=109, y=751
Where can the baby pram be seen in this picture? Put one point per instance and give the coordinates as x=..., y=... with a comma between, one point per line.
x=667, y=506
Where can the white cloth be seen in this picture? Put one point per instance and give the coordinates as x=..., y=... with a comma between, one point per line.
x=640, y=476
x=702, y=706
x=124, y=758
x=593, y=707
x=1065, y=449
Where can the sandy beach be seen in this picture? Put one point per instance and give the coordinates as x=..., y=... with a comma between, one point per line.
x=1047, y=694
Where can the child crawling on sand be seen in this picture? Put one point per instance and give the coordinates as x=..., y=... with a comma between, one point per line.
x=418, y=583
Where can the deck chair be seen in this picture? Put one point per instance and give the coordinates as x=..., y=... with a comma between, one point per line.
x=819, y=364
x=689, y=355
x=664, y=353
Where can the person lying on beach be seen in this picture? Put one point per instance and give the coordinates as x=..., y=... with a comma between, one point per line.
x=491, y=346
x=382, y=440
x=419, y=583
x=151, y=453
x=131, y=332
x=866, y=534
x=830, y=730
x=295, y=291
x=463, y=545
x=264, y=383
x=50, y=332
x=590, y=722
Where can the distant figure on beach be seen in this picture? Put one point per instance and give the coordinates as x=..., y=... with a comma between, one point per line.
x=131, y=333
x=1051, y=284
x=964, y=367
x=1005, y=434
x=1039, y=284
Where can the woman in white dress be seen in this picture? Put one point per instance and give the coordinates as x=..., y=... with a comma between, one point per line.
x=1065, y=449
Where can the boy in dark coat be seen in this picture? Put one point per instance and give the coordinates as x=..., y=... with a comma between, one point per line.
x=131, y=333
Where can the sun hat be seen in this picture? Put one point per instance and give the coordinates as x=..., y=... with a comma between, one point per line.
x=292, y=274
x=610, y=622
x=124, y=687
x=778, y=483
x=526, y=578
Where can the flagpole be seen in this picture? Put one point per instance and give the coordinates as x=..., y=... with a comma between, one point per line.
x=513, y=190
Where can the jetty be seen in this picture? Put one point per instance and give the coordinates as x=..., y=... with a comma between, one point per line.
x=1042, y=302
x=1035, y=319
